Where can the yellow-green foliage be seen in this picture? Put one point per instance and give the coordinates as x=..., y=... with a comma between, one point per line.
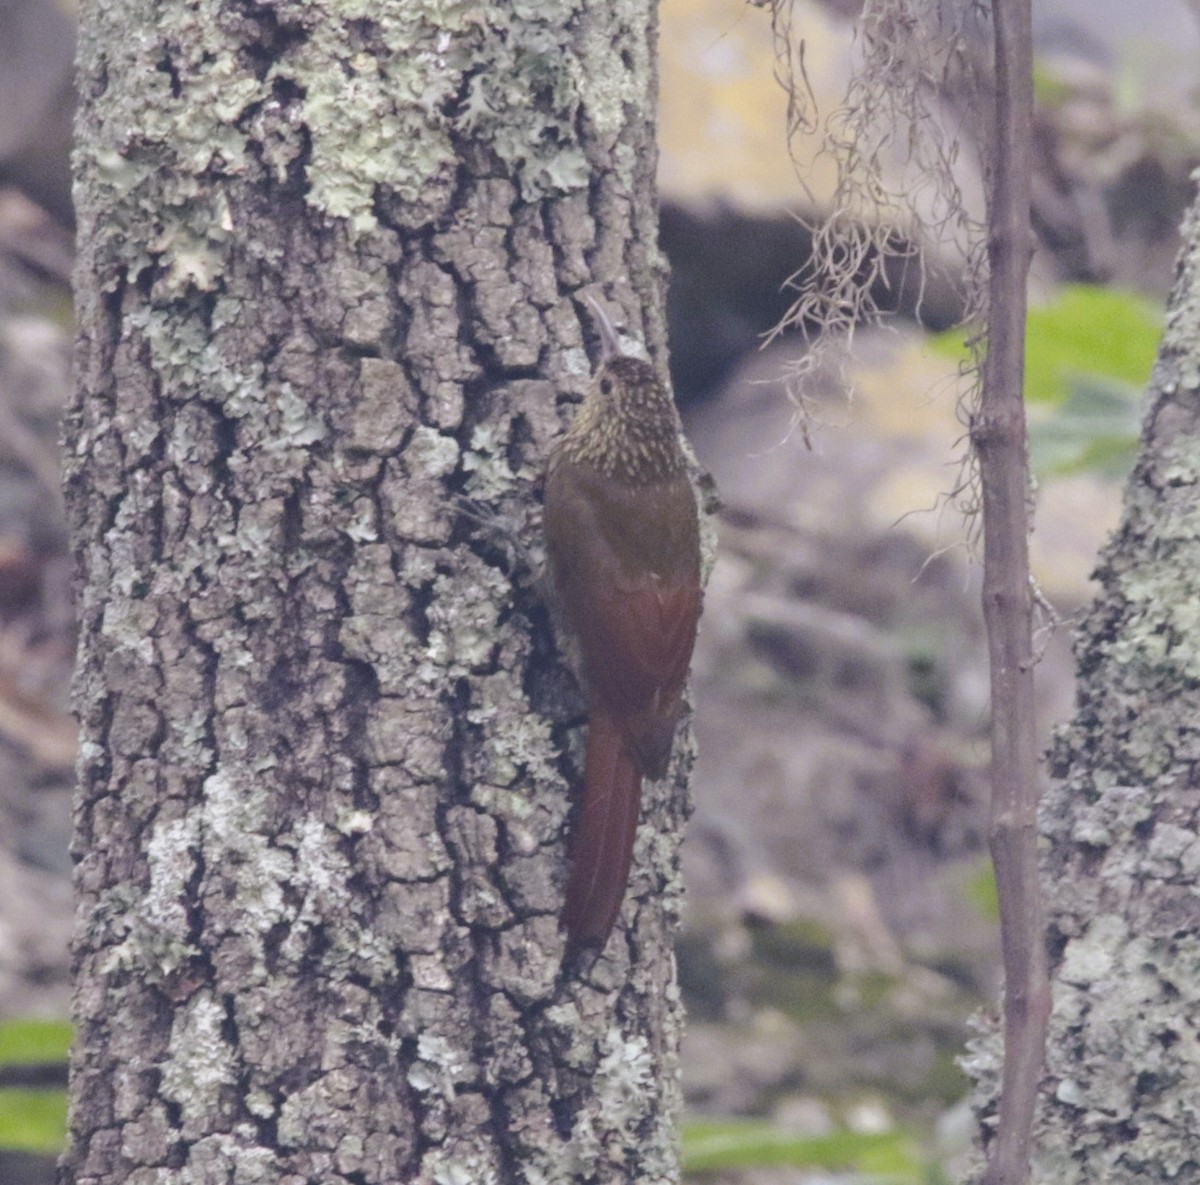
x=33, y=1120
x=717, y=1145
x=1088, y=355
x=26, y=1042
x=982, y=892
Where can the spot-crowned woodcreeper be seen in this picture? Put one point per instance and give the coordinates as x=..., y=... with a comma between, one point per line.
x=623, y=541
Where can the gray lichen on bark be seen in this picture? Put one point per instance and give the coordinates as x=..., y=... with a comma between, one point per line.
x=1121, y=821
x=328, y=255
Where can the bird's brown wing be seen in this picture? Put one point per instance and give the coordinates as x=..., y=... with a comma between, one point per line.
x=626, y=566
x=637, y=649
x=637, y=646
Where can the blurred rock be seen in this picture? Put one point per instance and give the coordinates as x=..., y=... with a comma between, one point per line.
x=838, y=733
x=1111, y=181
x=766, y=899
x=869, y=1117
x=35, y=927
x=27, y=1168
x=34, y=379
x=37, y=732
x=731, y=1077
x=841, y=688
x=723, y=120
x=37, y=101
x=803, y=1115
x=36, y=254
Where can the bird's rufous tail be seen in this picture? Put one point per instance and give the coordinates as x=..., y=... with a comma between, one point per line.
x=601, y=847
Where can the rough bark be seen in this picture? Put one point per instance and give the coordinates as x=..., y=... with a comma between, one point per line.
x=328, y=256
x=1122, y=821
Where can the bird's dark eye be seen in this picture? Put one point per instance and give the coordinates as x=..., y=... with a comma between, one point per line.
x=606, y=387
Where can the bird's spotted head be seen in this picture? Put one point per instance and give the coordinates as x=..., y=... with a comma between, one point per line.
x=627, y=425
x=623, y=385
x=627, y=386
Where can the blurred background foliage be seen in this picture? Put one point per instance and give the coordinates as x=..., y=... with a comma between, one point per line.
x=1088, y=355
x=841, y=909
x=33, y=1101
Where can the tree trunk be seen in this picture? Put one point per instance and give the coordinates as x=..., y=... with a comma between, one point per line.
x=330, y=262
x=1119, y=1101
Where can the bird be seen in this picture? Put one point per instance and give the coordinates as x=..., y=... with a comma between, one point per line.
x=623, y=548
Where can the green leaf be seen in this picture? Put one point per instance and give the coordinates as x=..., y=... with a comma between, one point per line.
x=714, y=1145
x=1089, y=331
x=1094, y=429
x=1088, y=355
x=982, y=892
x=33, y=1120
x=1049, y=90
x=1085, y=331
x=31, y=1042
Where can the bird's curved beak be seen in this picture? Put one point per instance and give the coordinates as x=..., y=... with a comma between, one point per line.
x=610, y=345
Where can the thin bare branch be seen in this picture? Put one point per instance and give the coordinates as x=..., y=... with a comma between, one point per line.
x=999, y=437
x=895, y=145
